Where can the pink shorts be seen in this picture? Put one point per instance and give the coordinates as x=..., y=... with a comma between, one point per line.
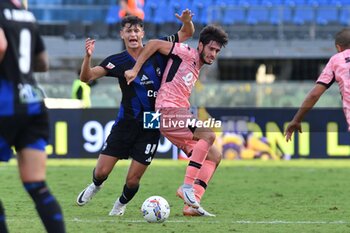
x=173, y=127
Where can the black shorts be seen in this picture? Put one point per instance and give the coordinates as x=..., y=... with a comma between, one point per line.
x=129, y=139
x=22, y=131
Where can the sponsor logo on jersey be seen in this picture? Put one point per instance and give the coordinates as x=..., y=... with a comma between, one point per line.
x=158, y=71
x=29, y=94
x=110, y=66
x=145, y=80
x=152, y=93
x=184, y=46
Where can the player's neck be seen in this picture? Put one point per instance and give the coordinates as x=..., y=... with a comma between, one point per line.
x=135, y=53
x=199, y=61
x=200, y=64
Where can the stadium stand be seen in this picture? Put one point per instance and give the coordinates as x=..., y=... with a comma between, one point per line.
x=240, y=17
x=293, y=38
x=344, y=17
x=74, y=30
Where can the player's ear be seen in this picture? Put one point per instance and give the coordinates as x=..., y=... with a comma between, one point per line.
x=121, y=34
x=200, y=47
x=339, y=48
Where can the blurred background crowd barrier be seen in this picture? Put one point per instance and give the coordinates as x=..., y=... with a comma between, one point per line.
x=245, y=133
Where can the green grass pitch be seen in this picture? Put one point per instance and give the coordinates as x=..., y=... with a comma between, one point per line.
x=247, y=196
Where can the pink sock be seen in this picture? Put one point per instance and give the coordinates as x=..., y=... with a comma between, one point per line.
x=205, y=174
x=199, y=153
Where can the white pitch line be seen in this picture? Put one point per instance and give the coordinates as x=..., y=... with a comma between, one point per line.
x=272, y=222
x=218, y=221
x=133, y=221
x=215, y=222
x=290, y=222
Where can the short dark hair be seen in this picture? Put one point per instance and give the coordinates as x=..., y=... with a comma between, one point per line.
x=132, y=20
x=213, y=33
x=342, y=38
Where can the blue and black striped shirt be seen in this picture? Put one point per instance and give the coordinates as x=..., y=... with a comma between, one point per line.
x=140, y=95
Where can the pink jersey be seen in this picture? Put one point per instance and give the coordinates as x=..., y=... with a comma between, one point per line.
x=179, y=77
x=337, y=69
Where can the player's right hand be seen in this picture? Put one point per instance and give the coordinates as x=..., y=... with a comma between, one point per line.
x=89, y=46
x=130, y=75
x=186, y=16
x=292, y=126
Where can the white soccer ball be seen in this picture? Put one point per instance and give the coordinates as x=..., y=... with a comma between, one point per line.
x=155, y=209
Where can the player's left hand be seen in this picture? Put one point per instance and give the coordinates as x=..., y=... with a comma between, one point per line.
x=130, y=75
x=292, y=126
x=185, y=17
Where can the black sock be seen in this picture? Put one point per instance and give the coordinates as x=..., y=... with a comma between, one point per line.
x=46, y=205
x=201, y=183
x=96, y=181
x=128, y=194
x=3, y=228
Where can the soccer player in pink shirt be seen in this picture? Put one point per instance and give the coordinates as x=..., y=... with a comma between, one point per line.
x=172, y=101
x=337, y=69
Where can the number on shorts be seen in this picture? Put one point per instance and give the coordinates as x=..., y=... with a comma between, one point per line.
x=150, y=148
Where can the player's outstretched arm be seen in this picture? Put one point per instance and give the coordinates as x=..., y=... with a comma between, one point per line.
x=308, y=103
x=87, y=73
x=151, y=47
x=3, y=44
x=187, y=29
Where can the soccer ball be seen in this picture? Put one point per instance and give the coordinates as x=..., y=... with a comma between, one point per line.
x=155, y=209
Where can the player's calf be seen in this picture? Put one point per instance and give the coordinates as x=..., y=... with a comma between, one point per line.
x=3, y=227
x=47, y=207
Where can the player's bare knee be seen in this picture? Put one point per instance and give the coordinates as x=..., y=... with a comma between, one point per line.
x=210, y=138
x=218, y=159
x=214, y=156
x=101, y=173
x=133, y=183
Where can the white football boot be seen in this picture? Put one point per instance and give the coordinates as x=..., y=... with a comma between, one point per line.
x=118, y=209
x=86, y=195
x=200, y=212
x=187, y=194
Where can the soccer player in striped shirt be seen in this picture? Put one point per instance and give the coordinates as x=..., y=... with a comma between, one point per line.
x=336, y=70
x=180, y=75
x=23, y=115
x=127, y=137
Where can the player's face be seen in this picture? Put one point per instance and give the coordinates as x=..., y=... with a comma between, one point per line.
x=209, y=52
x=132, y=36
